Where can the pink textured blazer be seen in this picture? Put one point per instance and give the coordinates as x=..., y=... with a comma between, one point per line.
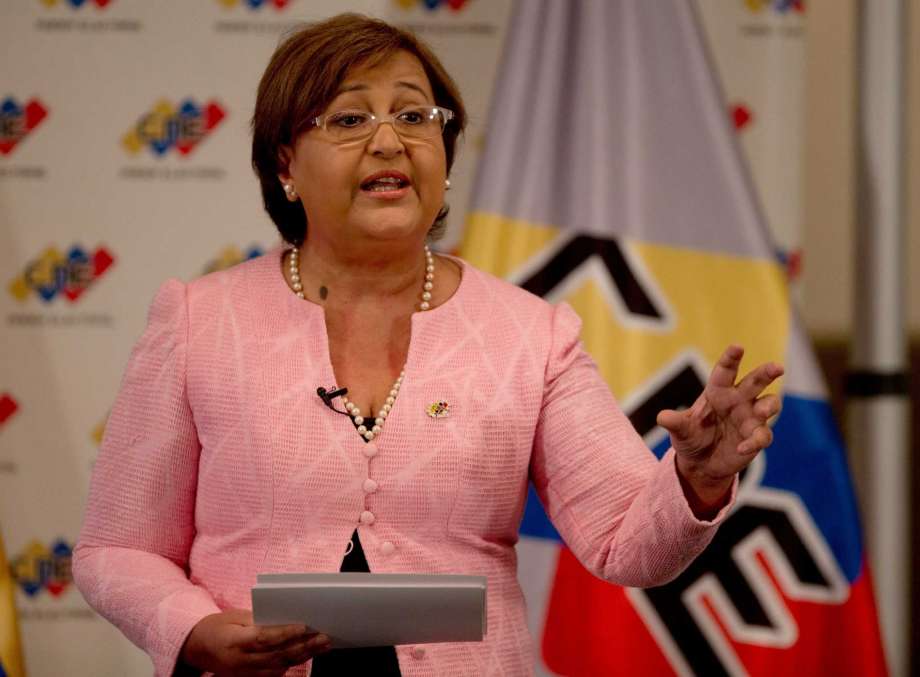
x=220, y=462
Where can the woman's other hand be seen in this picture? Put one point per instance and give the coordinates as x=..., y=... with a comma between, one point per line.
x=229, y=643
x=723, y=431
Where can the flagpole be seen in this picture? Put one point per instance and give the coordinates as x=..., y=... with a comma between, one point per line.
x=877, y=384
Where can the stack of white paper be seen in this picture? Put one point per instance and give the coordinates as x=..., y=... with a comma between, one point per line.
x=363, y=609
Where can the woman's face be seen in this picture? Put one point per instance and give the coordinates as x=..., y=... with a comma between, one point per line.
x=332, y=179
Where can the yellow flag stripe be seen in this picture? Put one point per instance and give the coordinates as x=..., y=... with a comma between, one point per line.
x=10, y=644
x=710, y=300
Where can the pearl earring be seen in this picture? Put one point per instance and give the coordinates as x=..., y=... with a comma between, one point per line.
x=290, y=191
x=446, y=184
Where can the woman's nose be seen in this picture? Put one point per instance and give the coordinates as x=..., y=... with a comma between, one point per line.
x=385, y=141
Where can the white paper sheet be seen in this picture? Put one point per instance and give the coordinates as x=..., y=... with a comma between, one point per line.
x=363, y=609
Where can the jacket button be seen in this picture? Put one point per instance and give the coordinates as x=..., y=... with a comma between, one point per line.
x=387, y=548
x=370, y=449
x=367, y=517
x=370, y=486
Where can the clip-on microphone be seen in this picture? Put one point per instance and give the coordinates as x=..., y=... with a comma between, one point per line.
x=328, y=395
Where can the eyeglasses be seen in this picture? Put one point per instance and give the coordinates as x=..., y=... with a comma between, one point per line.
x=417, y=122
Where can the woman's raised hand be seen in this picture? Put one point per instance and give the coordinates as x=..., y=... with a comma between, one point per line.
x=724, y=429
x=228, y=643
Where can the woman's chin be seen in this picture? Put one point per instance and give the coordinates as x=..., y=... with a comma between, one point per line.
x=391, y=226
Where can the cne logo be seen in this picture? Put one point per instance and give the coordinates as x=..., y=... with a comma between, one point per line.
x=255, y=4
x=779, y=6
x=76, y=4
x=39, y=567
x=8, y=407
x=55, y=273
x=455, y=5
x=768, y=549
x=230, y=256
x=17, y=121
x=167, y=126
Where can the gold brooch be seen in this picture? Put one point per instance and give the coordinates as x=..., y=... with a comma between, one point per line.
x=438, y=409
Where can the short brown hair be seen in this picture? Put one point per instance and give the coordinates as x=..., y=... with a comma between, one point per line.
x=303, y=77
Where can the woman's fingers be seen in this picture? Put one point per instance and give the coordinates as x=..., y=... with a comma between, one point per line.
x=767, y=407
x=726, y=370
x=738, y=406
x=228, y=643
x=760, y=438
x=674, y=422
x=758, y=379
x=748, y=426
x=300, y=653
x=294, y=653
x=747, y=419
x=286, y=654
x=270, y=637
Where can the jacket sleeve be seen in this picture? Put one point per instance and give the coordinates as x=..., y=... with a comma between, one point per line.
x=131, y=559
x=622, y=512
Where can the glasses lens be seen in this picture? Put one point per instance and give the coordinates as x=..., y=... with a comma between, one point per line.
x=420, y=123
x=347, y=125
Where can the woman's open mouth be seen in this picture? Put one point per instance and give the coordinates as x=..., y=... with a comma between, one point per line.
x=386, y=184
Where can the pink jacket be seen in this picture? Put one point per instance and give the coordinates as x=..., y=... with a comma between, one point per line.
x=220, y=462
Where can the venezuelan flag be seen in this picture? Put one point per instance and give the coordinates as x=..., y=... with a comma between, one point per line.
x=11, y=664
x=611, y=180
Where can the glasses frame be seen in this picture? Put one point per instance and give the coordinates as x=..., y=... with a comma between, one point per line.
x=320, y=122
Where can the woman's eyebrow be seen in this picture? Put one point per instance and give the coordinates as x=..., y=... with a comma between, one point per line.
x=359, y=87
x=413, y=86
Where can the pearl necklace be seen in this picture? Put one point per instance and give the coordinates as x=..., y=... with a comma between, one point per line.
x=384, y=411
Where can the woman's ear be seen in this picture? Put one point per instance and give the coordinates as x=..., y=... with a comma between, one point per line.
x=285, y=159
x=285, y=156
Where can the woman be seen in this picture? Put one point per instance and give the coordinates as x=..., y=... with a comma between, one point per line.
x=220, y=462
